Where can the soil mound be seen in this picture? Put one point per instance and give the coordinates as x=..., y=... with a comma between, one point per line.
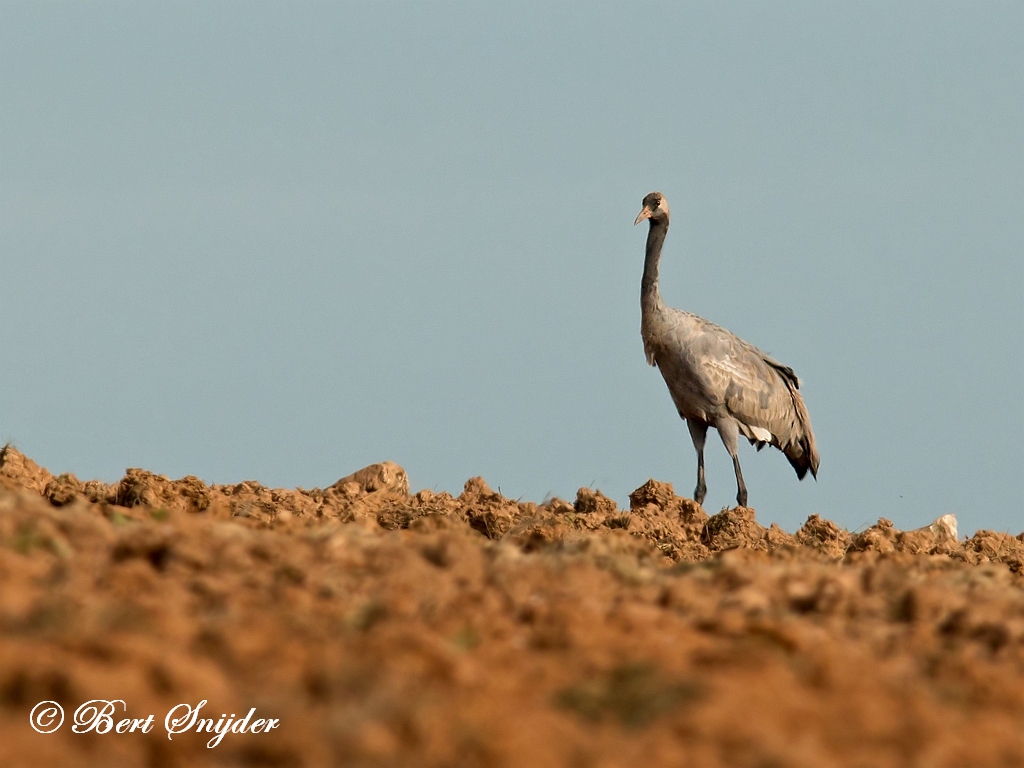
x=385, y=628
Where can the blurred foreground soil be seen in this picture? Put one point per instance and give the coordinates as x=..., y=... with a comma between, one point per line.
x=389, y=629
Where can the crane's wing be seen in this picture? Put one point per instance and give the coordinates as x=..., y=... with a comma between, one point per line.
x=760, y=393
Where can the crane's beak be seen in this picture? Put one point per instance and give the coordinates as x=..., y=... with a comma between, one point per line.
x=644, y=214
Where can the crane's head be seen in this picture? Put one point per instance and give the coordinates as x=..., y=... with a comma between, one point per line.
x=655, y=208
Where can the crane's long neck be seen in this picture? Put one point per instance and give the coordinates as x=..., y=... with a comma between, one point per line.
x=650, y=296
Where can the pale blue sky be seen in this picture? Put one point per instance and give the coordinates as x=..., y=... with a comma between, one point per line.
x=283, y=241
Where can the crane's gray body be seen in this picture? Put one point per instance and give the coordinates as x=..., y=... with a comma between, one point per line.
x=716, y=379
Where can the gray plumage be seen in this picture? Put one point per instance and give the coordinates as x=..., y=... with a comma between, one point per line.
x=715, y=378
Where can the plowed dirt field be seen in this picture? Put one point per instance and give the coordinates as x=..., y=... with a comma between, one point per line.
x=381, y=628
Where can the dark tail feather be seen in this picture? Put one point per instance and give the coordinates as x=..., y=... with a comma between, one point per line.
x=803, y=462
x=803, y=453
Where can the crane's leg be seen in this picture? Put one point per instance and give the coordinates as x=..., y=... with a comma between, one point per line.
x=698, y=433
x=729, y=432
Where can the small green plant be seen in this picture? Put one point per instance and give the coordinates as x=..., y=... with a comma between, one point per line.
x=466, y=638
x=634, y=694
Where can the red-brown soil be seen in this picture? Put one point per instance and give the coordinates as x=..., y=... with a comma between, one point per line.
x=389, y=629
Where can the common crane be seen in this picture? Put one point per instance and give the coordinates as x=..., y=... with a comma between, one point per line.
x=715, y=378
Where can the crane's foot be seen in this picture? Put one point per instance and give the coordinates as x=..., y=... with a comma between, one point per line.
x=699, y=493
x=741, y=498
